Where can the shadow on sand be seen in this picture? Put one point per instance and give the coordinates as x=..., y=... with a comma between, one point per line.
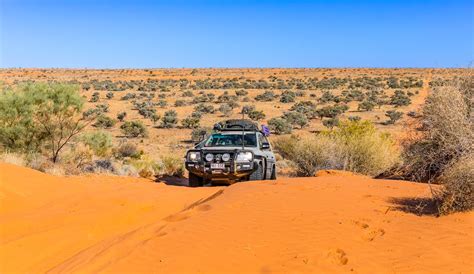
x=416, y=205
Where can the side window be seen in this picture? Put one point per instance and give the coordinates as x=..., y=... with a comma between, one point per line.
x=264, y=139
x=260, y=138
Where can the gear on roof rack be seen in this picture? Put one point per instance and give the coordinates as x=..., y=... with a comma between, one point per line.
x=236, y=124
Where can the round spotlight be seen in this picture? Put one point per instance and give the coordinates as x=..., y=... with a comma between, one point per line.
x=225, y=157
x=209, y=157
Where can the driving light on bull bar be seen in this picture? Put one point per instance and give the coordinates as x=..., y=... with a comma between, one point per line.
x=225, y=157
x=244, y=156
x=209, y=157
x=194, y=156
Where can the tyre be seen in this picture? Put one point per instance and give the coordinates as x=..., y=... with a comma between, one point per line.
x=194, y=180
x=274, y=173
x=257, y=175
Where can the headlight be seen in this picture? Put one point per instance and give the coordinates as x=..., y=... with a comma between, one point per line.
x=246, y=156
x=225, y=157
x=194, y=156
x=209, y=157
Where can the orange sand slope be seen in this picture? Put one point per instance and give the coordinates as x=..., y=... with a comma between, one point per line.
x=126, y=225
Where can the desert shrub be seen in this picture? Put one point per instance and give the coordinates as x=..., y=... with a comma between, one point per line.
x=41, y=115
x=179, y=103
x=172, y=166
x=354, y=118
x=188, y=93
x=458, y=182
x=366, y=106
x=109, y=95
x=352, y=146
x=331, y=122
x=307, y=108
x=296, y=118
x=241, y=92
x=162, y=103
x=155, y=118
x=104, y=121
x=204, y=108
x=99, y=141
x=128, y=96
x=169, y=119
x=247, y=109
x=280, y=126
x=287, y=96
x=399, y=98
x=266, y=96
x=365, y=149
x=393, y=116
x=332, y=111
x=446, y=134
x=191, y=122
x=134, y=129
x=199, y=134
x=256, y=115
x=127, y=150
x=102, y=108
x=121, y=116
x=94, y=97
x=225, y=109
x=329, y=97
x=309, y=154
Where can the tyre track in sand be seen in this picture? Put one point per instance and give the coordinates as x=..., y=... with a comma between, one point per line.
x=100, y=255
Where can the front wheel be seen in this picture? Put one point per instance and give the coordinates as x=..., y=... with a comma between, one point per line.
x=257, y=175
x=194, y=180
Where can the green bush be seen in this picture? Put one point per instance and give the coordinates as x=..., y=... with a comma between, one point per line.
x=256, y=115
x=99, y=141
x=280, y=126
x=296, y=118
x=352, y=146
x=41, y=115
x=104, y=121
x=366, y=106
x=399, y=98
x=287, y=96
x=121, y=116
x=134, y=129
x=127, y=150
x=266, y=96
x=191, y=122
x=393, y=116
x=169, y=119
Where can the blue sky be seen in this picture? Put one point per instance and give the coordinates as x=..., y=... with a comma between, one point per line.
x=158, y=34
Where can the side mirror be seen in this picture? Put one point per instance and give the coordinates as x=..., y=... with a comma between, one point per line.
x=265, y=146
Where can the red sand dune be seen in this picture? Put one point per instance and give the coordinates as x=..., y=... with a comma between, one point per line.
x=334, y=223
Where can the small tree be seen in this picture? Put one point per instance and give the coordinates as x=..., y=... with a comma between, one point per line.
x=393, y=117
x=256, y=115
x=169, y=119
x=134, y=129
x=191, y=122
x=280, y=126
x=121, y=116
x=50, y=115
x=296, y=118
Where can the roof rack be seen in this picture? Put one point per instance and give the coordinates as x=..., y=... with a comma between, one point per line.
x=236, y=124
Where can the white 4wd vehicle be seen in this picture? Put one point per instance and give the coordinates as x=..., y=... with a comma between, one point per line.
x=237, y=151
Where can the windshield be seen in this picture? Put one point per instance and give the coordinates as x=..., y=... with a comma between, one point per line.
x=231, y=140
